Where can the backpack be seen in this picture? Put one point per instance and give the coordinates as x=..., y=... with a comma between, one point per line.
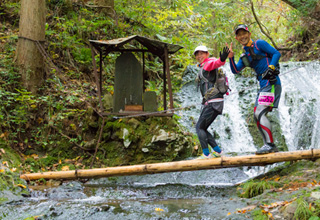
x=221, y=85
x=256, y=57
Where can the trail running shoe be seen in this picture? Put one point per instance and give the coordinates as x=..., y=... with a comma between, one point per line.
x=205, y=157
x=267, y=148
x=214, y=153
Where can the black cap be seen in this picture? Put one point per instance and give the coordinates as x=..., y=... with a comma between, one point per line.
x=241, y=26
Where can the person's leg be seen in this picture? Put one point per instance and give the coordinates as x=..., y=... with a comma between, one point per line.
x=263, y=123
x=264, y=127
x=207, y=116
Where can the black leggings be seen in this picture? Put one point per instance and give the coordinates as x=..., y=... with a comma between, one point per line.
x=207, y=116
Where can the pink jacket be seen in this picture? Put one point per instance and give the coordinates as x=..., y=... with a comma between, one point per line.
x=211, y=63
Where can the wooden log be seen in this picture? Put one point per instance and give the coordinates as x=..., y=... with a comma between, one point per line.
x=186, y=165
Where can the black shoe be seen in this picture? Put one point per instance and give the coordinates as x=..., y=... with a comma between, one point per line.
x=267, y=148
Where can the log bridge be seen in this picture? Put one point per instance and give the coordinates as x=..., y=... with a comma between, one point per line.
x=186, y=165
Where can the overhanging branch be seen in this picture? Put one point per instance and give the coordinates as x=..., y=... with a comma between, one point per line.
x=263, y=30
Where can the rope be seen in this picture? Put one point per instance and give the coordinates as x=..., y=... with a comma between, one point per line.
x=26, y=38
x=42, y=51
x=248, y=87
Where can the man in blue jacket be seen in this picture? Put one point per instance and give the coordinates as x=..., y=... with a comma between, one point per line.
x=264, y=59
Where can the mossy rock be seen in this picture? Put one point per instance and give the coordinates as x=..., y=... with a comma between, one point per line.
x=132, y=141
x=12, y=188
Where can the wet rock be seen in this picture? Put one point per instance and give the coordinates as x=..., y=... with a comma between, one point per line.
x=315, y=195
x=126, y=140
x=134, y=123
x=104, y=208
x=90, y=144
x=163, y=136
x=288, y=211
x=145, y=149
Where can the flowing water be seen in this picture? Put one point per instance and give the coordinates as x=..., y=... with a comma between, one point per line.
x=208, y=194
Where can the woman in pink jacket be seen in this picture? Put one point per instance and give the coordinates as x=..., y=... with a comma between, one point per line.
x=213, y=106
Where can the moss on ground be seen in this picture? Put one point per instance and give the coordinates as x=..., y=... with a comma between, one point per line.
x=288, y=191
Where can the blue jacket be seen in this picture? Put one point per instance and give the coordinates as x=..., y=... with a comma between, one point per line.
x=260, y=47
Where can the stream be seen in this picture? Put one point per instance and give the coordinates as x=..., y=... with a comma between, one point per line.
x=207, y=194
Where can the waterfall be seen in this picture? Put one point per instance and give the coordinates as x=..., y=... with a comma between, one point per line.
x=300, y=104
x=298, y=112
x=231, y=126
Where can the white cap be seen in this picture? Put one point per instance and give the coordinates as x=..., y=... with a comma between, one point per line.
x=200, y=48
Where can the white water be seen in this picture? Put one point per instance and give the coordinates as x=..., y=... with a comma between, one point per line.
x=300, y=105
x=298, y=112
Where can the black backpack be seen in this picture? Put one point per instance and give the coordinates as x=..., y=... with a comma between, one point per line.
x=220, y=86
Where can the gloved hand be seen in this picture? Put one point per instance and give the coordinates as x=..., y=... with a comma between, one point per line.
x=268, y=73
x=224, y=54
x=273, y=80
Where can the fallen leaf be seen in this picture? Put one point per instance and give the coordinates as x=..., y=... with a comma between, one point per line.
x=22, y=186
x=246, y=209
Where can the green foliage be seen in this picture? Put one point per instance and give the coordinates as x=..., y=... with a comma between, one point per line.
x=304, y=7
x=302, y=211
x=9, y=12
x=260, y=215
x=254, y=188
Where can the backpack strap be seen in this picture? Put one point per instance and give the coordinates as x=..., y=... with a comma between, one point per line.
x=253, y=55
x=200, y=74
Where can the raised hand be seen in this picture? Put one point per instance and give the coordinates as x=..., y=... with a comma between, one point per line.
x=231, y=54
x=224, y=54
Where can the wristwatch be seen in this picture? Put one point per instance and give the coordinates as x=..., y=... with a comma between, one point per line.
x=272, y=67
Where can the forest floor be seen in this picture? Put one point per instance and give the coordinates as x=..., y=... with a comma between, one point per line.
x=293, y=193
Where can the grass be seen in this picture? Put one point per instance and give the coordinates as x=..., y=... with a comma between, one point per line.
x=254, y=188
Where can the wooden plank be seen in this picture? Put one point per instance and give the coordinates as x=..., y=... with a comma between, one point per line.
x=187, y=165
x=133, y=108
x=140, y=114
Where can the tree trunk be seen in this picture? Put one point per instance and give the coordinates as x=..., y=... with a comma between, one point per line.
x=31, y=35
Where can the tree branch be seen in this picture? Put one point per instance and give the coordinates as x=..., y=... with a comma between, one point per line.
x=262, y=29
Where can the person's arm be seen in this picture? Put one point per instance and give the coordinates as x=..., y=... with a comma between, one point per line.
x=213, y=63
x=265, y=47
x=235, y=68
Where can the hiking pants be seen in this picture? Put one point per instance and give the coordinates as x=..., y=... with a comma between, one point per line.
x=263, y=122
x=207, y=116
x=260, y=112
